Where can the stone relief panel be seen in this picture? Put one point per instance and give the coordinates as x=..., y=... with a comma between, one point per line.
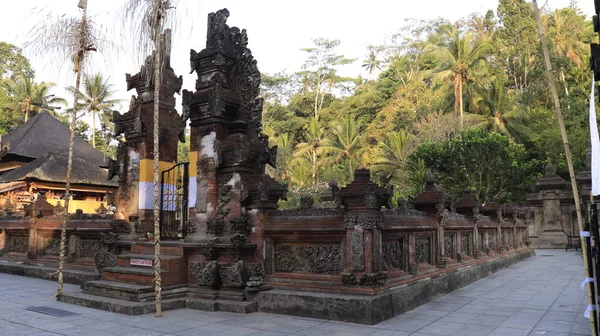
x=308, y=258
x=480, y=241
x=423, y=250
x=51, y=246
x=16, y=243
x=358, y=253
x=449, y=245
x=491, y=241
x=89, y=247
x=465, y=243
x=395, y=254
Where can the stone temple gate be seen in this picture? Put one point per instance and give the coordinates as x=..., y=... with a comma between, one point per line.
x=358, y=259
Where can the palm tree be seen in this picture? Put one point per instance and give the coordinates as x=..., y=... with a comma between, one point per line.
x=371, y=62
x=345, y=144
x=314, y=135
x=300, y=172
x=501, y=114
x=68, y=39
x=95, y=99
x=30, y=98
x=392, y=156
x=463, y=60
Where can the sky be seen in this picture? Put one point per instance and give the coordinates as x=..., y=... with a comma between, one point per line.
x=277, y=29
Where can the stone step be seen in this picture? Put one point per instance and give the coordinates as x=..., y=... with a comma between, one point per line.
x=131, y=292
x=167, y=261
x=143, y=276
x=139, y=308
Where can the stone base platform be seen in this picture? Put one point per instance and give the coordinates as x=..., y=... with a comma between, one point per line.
x=372, y=309
x=48, y=272
x=138, y=308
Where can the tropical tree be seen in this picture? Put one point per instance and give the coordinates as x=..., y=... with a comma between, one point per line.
x=371, y=61
x=501, y=114
x=95, y=99
x=344, y=144
x=69, y=40
x=30, y=98
x=462, y=61
x=311, y=149
x=392, y=156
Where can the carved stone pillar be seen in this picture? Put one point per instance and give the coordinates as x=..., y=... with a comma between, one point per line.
x=363, y=219
x=2, y=241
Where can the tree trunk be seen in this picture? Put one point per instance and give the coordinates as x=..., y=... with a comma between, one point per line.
x=460, y=101
x=63, y=227
x=94, y=129
x=155, y=153
x=317, y=102
x=563, y=133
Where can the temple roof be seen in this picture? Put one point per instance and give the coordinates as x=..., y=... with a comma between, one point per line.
x=45, y=134
x=53, y=168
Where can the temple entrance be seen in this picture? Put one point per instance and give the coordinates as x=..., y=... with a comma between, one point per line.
x=174, y=201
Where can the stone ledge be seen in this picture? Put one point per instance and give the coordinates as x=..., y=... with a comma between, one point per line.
x=385, y=305
x=125, y=307
x=76, y=277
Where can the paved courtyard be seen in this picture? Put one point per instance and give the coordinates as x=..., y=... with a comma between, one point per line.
x=540, y=296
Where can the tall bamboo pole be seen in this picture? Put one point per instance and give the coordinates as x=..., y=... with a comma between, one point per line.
x=155, y=152
x=563, y=133
x=79, y=60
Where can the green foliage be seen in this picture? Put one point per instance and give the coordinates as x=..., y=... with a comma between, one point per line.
x=486, y=165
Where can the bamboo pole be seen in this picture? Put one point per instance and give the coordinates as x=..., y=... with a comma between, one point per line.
x=563, y=133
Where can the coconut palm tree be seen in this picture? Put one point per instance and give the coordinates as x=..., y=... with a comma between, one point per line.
x=311, y=149
x=392, y=156
x=69, y=40
x=344, y=145
x=462, y=61
x=371, y=62
x=501, y=114
x=30, y=98
x=95, y=99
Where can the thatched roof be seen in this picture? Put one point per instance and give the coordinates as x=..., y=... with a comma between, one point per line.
x=45, y=134
x=53, y=168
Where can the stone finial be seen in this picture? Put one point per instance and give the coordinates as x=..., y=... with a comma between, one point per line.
x=550, y=170
x=429, y=179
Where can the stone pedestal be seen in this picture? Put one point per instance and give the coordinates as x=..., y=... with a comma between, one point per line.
x=552, y=210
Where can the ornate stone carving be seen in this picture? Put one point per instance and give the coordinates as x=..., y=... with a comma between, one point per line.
x=52, y=247
x=423, y=250
x=394, y=254
x=190, y=227
x=368, y=220
x=16, y=243
x=348, y=279
x=308, y=212
x=465, y=243
x=480, y=241
x=373, y=279
x=491, y=241
x=106, y=257
x=206, y=273
x=89, y=247
x=210, y=250
x=335, y=194
x=215, y=226
x=357, y=248
x=233, y=276
x=240, y=225
x=120, y=226
x=449, y=245
x=308, y=258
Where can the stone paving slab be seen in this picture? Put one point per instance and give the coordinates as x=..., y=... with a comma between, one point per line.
x=539, y=296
